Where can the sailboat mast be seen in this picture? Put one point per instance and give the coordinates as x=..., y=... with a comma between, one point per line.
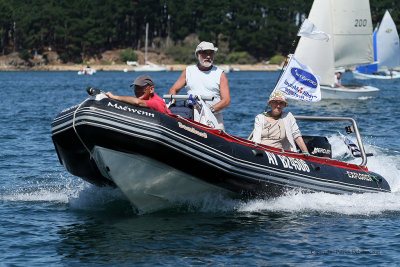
x=146, y=43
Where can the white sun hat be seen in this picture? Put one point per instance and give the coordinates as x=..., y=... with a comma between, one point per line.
x=205, y=46
x=279, y=96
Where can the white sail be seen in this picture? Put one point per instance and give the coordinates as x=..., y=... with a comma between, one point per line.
x=349, y=24
x=388, y=49
x=352, y=32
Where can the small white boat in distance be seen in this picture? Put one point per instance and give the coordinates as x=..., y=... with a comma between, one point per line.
x=386, y=53
x=349, y=92
x=87, y=71
x=226, y=68
x=148, y=66
x=349, y=24
x=132, y=63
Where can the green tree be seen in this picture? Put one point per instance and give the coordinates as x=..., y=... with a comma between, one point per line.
x=78, y=29
x=128, y=55
x=5, y=24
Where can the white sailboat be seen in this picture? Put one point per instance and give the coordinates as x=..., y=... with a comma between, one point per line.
x=149, y=66
x=386, y=53
x=349, y=24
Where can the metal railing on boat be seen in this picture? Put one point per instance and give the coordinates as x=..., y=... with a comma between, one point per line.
x=355, y=128
x=185, y=97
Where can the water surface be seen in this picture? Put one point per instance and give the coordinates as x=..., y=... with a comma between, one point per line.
x=50, y=217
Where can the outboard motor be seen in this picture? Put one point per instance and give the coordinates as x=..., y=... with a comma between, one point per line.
x=318, y=146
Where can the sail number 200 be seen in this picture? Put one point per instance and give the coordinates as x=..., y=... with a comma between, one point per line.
x=360, y=23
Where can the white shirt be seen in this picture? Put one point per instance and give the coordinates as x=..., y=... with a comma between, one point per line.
x=338, y=81
x=291, y=128
x=204, y=83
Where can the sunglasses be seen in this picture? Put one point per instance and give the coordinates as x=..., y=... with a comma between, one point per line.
x=276, y=102
x=206, y=52
x=140, y=88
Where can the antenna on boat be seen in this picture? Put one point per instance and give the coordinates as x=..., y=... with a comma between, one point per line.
x=146, y=43
x=287, y=58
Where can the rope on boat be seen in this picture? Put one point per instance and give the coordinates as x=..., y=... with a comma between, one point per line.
x=373, y=177
x=76, y=132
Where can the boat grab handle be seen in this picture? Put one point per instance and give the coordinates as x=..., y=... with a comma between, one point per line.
x=186, y=97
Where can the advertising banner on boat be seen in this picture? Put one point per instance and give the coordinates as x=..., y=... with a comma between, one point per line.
x=299, y=82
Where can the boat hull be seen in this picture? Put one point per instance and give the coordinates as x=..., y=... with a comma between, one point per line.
x=348, y=92
x=148, y=183
x=155, y=158
x=387, y=76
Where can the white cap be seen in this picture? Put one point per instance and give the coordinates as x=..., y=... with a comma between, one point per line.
x=205, y=46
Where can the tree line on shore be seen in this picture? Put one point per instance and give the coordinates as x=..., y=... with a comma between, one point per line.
x=79, y=29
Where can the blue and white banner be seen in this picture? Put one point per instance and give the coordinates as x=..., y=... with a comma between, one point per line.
x=299, y=82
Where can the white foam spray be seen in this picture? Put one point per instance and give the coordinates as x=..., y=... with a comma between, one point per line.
x=82, y=195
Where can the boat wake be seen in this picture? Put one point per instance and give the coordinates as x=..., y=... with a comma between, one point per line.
x=384, y=162
x=356, y=204
x=91, y=197
x=80, y=195
x=35, y=191
x=35, y=195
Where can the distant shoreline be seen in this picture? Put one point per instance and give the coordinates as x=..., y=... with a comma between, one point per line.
x=122, y=67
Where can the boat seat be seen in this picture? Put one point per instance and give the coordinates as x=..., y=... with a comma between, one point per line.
x=183, y=111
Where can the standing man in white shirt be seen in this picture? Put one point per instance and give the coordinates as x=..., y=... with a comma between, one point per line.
x=204, y=79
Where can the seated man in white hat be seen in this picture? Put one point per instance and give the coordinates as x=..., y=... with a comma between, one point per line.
x=204, y=79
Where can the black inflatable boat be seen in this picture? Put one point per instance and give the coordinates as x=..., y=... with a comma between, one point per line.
x=155, y=158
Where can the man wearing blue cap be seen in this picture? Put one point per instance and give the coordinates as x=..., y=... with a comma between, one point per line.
x=145, y=96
